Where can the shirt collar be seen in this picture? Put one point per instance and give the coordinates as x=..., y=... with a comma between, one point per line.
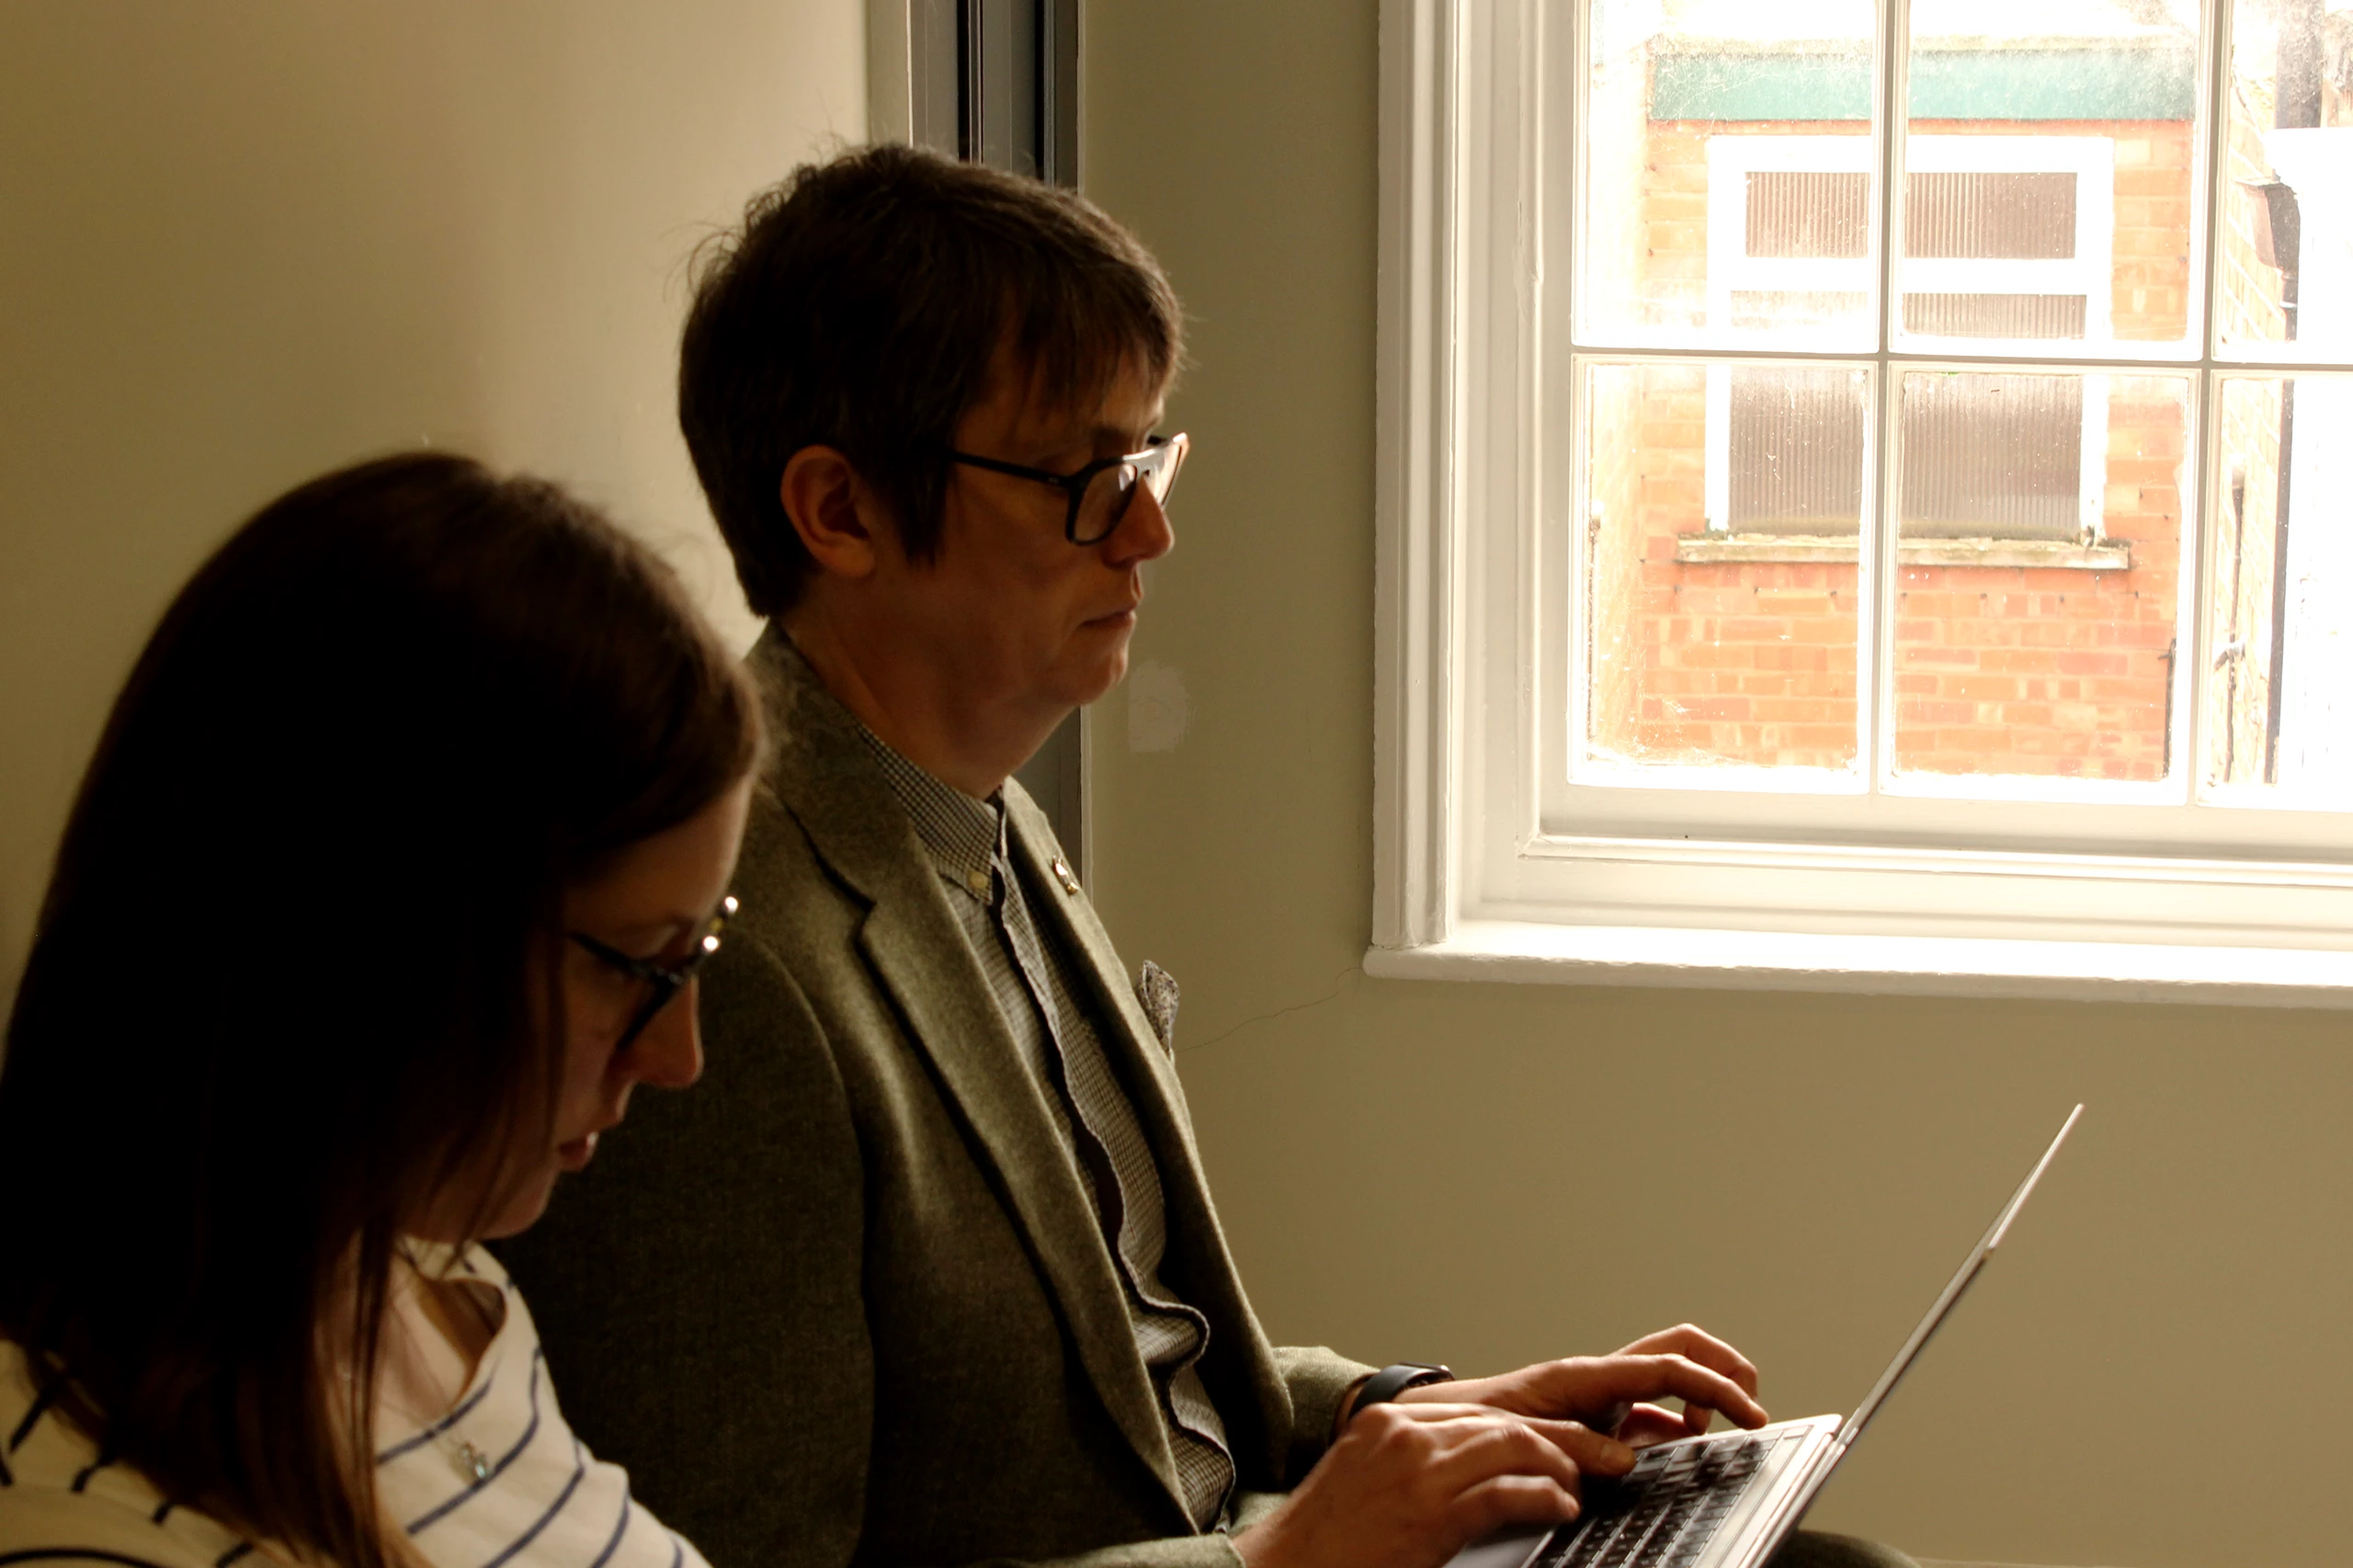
x=962, y=835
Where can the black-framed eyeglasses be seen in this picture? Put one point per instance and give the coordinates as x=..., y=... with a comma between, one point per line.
x=666, y=981
x=1101, y=492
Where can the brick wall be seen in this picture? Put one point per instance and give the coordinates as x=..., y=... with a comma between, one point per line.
x=1747, y=662
x=2055, y=672
x=2009, y=670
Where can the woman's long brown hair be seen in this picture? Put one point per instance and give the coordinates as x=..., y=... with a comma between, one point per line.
x=280, y=993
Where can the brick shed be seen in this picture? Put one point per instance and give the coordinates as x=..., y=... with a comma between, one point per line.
x=2038, y=591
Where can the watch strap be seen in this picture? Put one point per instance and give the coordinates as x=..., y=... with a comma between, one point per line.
x=1393, y=1379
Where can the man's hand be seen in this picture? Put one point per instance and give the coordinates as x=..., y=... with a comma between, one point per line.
x=1408, y=1487
x=1611, y=1393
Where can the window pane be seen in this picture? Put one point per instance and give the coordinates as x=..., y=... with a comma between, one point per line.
x=1792, y=213
x=2287, y=272
x=2048, y=153
x=2038, y=579
x=1732, y=645
x=1995, y=457
x=2044, y=316
x=1980, y=217
x=1794, y=450
x=2278, y=713
x=1728, y=173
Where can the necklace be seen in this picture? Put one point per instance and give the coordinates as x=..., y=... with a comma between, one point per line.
x=472, y=1463
x=447, y=1433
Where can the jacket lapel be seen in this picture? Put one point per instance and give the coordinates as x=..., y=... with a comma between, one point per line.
x=825, y=776
x=1240, y=1368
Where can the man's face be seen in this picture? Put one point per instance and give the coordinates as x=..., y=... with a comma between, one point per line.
x=1030, y=623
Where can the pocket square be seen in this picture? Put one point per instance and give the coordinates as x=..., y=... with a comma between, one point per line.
x=1156, y=993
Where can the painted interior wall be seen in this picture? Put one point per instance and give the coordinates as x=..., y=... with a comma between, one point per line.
x=2150, y=1374
x=243, y=242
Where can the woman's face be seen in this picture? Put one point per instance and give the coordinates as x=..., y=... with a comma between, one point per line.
x=652, y=903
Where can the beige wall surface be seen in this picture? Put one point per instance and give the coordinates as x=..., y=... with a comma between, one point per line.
x=245, y=241
x=2152, y=1372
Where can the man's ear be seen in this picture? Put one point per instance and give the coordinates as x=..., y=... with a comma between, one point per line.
x=840, y=519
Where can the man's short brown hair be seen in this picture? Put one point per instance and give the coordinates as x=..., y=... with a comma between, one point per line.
x=860, y=307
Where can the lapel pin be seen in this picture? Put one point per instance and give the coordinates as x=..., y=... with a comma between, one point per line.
x=1063, y=875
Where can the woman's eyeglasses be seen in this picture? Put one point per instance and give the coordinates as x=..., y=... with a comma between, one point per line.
x=665, y=980
x=1101, y=492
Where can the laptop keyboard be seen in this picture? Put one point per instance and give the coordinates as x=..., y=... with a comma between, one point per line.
x=1662, y=1515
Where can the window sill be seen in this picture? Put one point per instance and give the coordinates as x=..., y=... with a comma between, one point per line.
x=1809, y=550
x=1526, y=953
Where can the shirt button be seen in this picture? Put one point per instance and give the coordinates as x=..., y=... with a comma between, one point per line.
x=979, y=882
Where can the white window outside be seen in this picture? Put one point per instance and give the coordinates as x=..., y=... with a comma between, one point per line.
x=1764, y=604
x=1789, y=225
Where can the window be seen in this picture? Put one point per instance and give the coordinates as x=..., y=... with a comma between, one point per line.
x=2007, y=239
x=1862, y=499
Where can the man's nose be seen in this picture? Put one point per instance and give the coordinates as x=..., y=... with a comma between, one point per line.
x=1144, y=534
x=668, y=1054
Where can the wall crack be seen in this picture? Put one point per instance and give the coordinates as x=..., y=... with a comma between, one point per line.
x=1339, y=984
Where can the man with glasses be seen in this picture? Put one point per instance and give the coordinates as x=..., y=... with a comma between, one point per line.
x=925, y=1273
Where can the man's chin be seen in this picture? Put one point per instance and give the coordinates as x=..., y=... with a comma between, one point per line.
x=1097, y=672
x=1101, y=686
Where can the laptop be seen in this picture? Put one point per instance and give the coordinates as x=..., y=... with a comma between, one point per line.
x=1729, y=1499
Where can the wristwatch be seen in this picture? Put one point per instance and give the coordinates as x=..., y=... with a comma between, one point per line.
x=1395, y=1379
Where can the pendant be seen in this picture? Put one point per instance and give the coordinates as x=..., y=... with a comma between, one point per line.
x=472, y=1461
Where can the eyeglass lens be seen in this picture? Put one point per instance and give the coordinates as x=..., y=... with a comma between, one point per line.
x=1111, y=491
x=660, y=983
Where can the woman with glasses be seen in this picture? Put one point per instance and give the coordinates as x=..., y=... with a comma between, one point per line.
x=387, y=885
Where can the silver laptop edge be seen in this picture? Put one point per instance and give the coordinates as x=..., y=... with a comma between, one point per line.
x=1758, y=1526
x=1791, y=1507
x=1953, y=1292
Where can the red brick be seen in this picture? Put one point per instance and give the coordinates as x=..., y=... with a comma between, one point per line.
x=2018, y=660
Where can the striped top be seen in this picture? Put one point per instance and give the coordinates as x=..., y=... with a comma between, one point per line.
x=540, y=1500
x=500, y=1482
x=1041, y=999
x=59, y=1501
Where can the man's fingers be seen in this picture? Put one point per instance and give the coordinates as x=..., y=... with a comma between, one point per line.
x=1593, y=1453
x=1501, y=1446
x=1648, y=1424
x=1509, y=1500
x=1691, y=1341
x=1615, y=1377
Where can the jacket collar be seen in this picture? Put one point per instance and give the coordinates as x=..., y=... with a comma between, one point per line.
x=960, y=834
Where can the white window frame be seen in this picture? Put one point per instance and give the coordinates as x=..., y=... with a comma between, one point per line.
x=1732, y=270
x=1491, y=863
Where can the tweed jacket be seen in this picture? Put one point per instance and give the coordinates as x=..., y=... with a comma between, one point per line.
x=846, y=1300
